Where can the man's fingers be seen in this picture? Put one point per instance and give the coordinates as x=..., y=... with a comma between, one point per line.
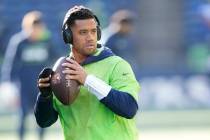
x=69, y=71
x=41, y=80
x=71, y=77
x=41, y=85
x=71, y=61
x=69, y=65
x=44, y=82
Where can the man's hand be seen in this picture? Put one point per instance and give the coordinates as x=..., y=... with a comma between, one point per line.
x=74, y=71
x=44, y=82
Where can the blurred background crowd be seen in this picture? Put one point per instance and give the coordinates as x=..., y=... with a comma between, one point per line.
x=166, y=42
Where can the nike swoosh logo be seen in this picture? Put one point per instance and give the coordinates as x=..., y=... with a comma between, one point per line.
x=124, y=74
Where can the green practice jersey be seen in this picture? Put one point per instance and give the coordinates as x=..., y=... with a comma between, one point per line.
x=89, y=119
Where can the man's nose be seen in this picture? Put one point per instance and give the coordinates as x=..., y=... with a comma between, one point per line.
x=90, y=36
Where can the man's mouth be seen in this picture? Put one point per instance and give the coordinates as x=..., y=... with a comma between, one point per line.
x=90, y=46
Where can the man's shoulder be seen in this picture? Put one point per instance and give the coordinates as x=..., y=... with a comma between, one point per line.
x=116, y=60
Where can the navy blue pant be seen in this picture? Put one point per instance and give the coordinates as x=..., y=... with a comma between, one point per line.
x=28, y=96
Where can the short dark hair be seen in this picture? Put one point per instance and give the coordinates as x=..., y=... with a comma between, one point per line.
x=83, y=13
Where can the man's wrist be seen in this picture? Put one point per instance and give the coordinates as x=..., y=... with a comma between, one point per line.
x=46, y=94
x=97, y=86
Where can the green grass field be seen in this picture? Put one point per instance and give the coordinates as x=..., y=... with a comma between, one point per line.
x=174, y=125
x=152, y=125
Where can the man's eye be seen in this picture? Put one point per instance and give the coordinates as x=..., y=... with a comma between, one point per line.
x=83, y=32
x=94, y=31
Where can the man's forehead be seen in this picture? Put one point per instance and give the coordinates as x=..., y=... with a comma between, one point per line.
x=85, y=22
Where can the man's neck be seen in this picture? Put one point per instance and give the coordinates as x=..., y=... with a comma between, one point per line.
x=78, y=57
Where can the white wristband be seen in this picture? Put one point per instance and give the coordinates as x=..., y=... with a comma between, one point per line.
x=97, y=87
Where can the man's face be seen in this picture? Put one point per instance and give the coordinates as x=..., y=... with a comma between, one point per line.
x=84, y=36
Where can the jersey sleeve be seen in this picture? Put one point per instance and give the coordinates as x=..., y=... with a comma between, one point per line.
x=123, y=79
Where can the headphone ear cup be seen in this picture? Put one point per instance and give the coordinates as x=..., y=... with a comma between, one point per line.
x=67, y=36
x=98, y=33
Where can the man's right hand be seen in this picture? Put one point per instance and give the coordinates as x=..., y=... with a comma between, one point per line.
x=44, y=82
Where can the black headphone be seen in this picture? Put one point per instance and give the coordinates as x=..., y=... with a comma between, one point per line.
x=66, y=31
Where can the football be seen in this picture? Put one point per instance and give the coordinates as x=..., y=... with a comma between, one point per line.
x=65, y=90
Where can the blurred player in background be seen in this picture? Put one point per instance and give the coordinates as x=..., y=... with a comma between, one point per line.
x=3, y=30
x=118, y=36
x=27, y=52
x=107, y=101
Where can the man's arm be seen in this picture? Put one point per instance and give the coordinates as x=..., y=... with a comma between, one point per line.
x=121, y=103
x=10, y=56
x=44, y=112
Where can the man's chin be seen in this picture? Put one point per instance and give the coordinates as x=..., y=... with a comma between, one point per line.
x=90, y=51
